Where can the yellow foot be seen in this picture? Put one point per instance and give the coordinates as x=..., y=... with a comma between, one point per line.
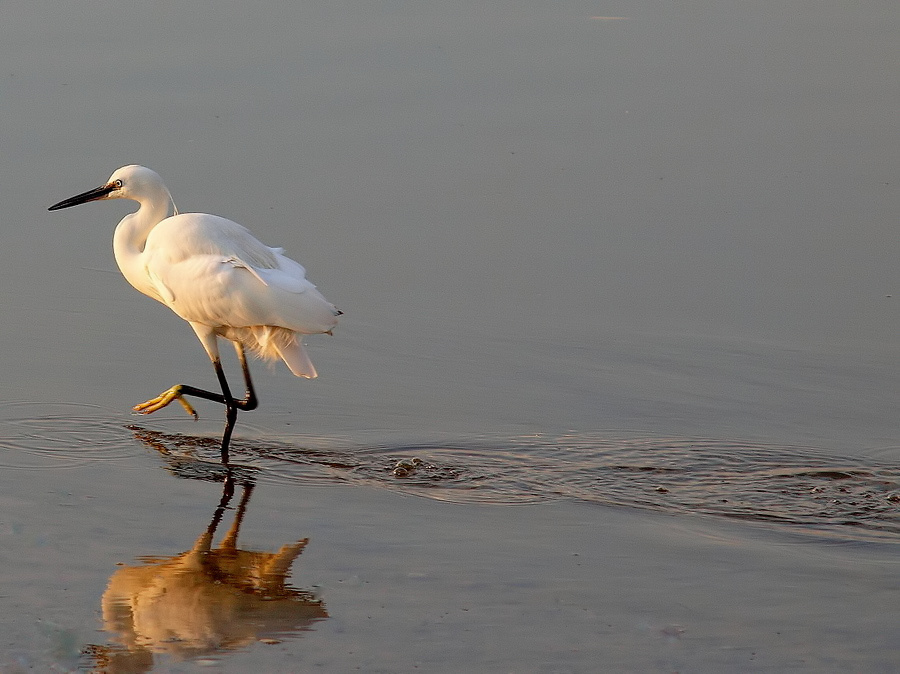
x=164, y=399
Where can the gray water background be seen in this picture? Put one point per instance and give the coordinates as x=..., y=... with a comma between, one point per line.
x=650, y=220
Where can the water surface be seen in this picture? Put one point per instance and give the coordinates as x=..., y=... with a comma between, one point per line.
x=616, y=383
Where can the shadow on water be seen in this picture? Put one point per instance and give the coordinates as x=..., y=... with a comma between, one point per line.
x=205, y=601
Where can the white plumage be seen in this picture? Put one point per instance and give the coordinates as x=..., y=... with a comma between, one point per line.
x=214, y=274
x=222, y=280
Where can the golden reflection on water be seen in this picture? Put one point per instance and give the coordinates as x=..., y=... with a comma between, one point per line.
x=204, y=601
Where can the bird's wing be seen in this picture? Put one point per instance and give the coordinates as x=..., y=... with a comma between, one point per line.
x=286, y=277
x=227, y=291
x=165, y=292
x=184, y=236
x=279, y=279
x=240, y=264
x=212, y=271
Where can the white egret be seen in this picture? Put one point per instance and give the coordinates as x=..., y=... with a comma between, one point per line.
x=215, y=275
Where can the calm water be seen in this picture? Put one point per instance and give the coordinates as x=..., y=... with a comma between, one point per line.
x=616, y=387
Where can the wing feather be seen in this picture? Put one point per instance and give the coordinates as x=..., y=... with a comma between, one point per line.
x=212, y=271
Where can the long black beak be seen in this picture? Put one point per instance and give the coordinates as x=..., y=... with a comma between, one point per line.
x=90, y=195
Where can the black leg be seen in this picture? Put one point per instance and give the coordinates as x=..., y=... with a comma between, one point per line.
x=177, y=392
x=247, y=403
x=230, y=419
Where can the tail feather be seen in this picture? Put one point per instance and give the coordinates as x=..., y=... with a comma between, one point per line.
x=294, y=356
x=271, y=343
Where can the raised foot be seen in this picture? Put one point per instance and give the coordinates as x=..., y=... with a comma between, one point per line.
x=164, y=399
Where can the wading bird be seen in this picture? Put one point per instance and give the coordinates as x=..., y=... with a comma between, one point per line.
x=215, y=275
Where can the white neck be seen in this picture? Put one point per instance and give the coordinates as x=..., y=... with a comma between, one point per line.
x=131, y=237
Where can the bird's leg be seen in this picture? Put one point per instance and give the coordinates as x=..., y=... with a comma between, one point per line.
x=230, y=420
x=250, y=401
x=177, y=392
x=247, y=403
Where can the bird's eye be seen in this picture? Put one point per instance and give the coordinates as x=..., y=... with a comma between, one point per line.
x=118, y=184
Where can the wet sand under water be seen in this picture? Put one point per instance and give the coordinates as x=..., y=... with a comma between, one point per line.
x=128, y=555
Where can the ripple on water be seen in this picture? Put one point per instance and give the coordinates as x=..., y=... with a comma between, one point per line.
x=35, y=436
x=791, y=486
x=851, y=498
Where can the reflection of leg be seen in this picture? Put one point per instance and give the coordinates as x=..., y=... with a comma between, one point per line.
x=227, y=493
x=230, y=540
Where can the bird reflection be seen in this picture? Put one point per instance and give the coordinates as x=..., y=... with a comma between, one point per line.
x=205, y=601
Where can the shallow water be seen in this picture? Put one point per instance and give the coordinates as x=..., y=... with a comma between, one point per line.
x=616, y=383
x=843, y=498
x=139, y=557
x=797, y=488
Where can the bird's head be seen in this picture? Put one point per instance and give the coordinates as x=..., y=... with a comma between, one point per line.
x=129, y=182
